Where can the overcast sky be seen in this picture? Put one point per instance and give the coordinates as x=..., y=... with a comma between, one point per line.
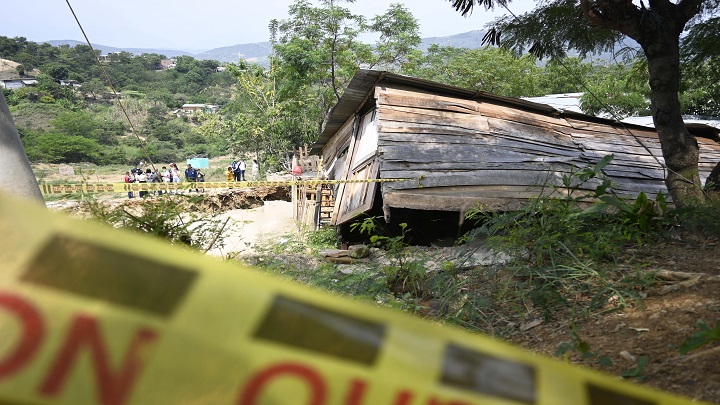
x=200, y=25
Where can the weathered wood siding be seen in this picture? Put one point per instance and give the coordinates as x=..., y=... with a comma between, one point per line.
x=354, y=154
x=467, y=151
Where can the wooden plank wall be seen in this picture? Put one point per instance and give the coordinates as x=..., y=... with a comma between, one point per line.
x=461, y=151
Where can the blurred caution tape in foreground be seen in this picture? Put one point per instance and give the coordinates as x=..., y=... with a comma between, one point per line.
x=81, y=188
x=92, y=315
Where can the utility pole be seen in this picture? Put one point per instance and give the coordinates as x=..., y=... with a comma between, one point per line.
x=17, y=177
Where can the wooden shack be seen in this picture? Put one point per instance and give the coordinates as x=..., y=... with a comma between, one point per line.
x=458, y=148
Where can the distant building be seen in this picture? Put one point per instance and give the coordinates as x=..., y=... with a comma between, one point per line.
x=14, y=84
x=73, y=83
x=167, y=64
x=571, y=102
x=190, y=109
x=112, y=57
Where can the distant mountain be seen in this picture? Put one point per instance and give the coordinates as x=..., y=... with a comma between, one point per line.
x=104, y=49
x=259, y=52
x=470, y=39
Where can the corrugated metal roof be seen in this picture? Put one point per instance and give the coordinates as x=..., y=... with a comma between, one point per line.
x=363, y=83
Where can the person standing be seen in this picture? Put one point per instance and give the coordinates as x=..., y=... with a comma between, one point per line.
x=236, y=169
x=255, y=170
x=129, y=179
x=241, y=166
x=191, y=176
x=141, y=177
x=229, y=174
x=166, y=176
x=155, y=177
x=174, y=175
x=201, y=179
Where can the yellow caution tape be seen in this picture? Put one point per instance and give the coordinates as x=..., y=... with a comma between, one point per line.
x=82, y=188
x=93, y=315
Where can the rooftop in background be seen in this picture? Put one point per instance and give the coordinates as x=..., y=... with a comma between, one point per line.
x=571, y=102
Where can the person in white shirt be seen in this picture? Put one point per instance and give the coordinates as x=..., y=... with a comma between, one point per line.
x=241, y=166
x=142, y=178
x=166, y=176
x=255, y=170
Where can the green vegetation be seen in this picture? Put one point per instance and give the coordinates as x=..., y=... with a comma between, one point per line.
x=64, y=123
x=704, y=335
x=170, y=216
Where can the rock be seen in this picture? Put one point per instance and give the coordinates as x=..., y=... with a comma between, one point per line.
x=354, y=268
x=627, y=356
x=358, y=251
x=343, y=259
x=531, y=324
x=333, y=253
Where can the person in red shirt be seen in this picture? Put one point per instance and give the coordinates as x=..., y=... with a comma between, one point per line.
x=129, y=178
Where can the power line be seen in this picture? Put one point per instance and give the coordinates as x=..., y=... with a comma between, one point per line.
x=143, y=144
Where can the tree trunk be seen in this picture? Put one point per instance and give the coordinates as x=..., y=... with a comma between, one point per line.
x=679, y=148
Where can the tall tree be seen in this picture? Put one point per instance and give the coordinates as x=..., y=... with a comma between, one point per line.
x=555, y=26
x=261, y=124
x=399, y=38
x=317, y=50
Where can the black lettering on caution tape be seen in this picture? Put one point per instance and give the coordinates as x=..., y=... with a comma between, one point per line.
x=494, y=376
x=603, y=396
x=115, y=276
x=305, y=326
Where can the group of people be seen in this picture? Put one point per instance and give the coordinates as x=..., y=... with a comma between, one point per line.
x=172, y=174
x=165, y=175
x=236, y=170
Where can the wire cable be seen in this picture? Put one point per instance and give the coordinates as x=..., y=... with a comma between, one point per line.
x=143, y=144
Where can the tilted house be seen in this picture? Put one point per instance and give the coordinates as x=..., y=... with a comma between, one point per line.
x=458, y=148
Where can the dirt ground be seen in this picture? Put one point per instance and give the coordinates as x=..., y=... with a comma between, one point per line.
x=269, y=222
x=656, y=330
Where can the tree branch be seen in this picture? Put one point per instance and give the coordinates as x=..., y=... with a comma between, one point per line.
x=590, y=14
x=687, y=9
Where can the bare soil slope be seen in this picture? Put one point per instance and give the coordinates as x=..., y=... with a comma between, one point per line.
x=656, y=329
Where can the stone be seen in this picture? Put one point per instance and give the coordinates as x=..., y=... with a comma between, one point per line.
x=358, y=251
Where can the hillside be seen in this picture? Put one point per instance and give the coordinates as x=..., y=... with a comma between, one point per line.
x=7, y=69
